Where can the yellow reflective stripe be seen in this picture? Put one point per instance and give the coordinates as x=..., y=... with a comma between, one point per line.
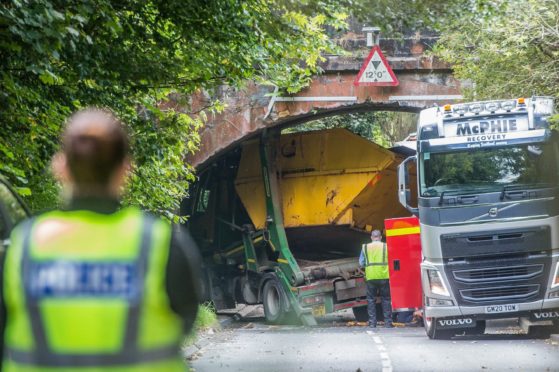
x=281, y=260
x=234, y=250
x=251, y=260
x=403, y=231
x=272, y=245
x=240, y=248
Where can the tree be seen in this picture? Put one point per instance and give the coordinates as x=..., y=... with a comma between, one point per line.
x=508, y=53
x=58, y=56
x=395, y=17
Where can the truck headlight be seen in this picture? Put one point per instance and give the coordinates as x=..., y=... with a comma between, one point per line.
x=555, y=282
x=508, y=105
x=460, y=109
x=476, y=108
x=436, y=283
x=492, y=106
x=438, y=302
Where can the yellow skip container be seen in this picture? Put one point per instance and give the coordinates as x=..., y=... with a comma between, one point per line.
x=326, y=177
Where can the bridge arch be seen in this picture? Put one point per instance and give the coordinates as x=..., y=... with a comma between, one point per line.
x=424, y=81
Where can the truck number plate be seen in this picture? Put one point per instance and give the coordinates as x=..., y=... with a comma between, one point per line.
x=501, y=308
x=319, y=310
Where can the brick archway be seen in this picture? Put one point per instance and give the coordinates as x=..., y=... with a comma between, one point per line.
x=424, y=81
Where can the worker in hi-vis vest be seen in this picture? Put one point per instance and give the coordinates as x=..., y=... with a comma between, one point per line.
x=94, y=286
x=375, y=261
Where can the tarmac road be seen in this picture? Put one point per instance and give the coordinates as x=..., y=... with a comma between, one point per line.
x=256, y=346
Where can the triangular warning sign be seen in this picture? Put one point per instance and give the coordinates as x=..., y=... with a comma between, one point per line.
x=376, y=71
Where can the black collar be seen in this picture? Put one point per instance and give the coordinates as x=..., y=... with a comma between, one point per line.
x=103, y=205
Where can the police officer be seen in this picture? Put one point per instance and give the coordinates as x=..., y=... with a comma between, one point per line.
x=97, y=286
x=375, y=261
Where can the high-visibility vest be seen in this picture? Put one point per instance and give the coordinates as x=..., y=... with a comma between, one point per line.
x=86, y=291
x=376, y=262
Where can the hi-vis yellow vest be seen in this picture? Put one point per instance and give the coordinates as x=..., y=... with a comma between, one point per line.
x=86, y=291
x=376, y=262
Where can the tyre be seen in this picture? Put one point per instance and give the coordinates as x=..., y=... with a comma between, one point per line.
x=435, y=333
x=360, y=313
x=274, y=301
x=479, y=329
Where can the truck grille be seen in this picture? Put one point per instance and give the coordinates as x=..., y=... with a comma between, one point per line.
x=499, y=280
x=498, y=273
x=500, y=293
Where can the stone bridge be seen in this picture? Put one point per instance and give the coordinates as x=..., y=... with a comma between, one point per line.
x=424, y=81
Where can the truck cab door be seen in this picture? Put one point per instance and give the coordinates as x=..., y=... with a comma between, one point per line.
x=404, y=259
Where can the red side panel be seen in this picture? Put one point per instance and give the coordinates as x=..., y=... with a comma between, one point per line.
x=404, y=258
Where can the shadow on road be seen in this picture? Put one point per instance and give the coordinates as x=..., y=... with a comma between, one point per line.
x=498, y=330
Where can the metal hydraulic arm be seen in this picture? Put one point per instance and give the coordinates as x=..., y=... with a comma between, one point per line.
x=287, y=269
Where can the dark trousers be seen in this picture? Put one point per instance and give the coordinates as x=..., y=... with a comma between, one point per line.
x=379, y=286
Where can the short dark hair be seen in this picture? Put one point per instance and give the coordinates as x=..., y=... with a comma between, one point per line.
x=95, y=144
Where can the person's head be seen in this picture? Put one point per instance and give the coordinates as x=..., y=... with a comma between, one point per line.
x=94, y=158
x=376, y=235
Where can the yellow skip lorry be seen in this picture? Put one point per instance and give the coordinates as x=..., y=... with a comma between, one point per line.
x=280, y=220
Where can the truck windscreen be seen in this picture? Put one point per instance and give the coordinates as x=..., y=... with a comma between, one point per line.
x=490, y=169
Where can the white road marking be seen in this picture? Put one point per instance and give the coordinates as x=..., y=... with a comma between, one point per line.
x=384, y=357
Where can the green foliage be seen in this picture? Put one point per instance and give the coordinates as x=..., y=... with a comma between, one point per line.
x=382, y=127
x=160, y=143
x=44, y=193
x=142, y=59
x=510, y=52
x=395, y=17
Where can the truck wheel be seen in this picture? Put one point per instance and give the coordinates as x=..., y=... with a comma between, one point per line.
x=479, y=329
x=433, y=332
x=360, y=313
x=274, y=301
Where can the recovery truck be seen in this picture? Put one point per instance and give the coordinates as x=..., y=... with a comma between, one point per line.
x=281, y=218
x=488, y=207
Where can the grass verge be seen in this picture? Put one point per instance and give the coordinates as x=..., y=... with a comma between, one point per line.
x=206, y=318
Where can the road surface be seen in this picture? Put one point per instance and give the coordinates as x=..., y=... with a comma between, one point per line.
x=333, y=346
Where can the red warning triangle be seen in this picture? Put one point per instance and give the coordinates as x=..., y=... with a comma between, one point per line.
x=376, y=71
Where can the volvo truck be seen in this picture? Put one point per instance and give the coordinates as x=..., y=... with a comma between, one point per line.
x=487, y=201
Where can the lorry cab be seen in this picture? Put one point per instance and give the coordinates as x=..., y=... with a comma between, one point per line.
x=488, y=205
